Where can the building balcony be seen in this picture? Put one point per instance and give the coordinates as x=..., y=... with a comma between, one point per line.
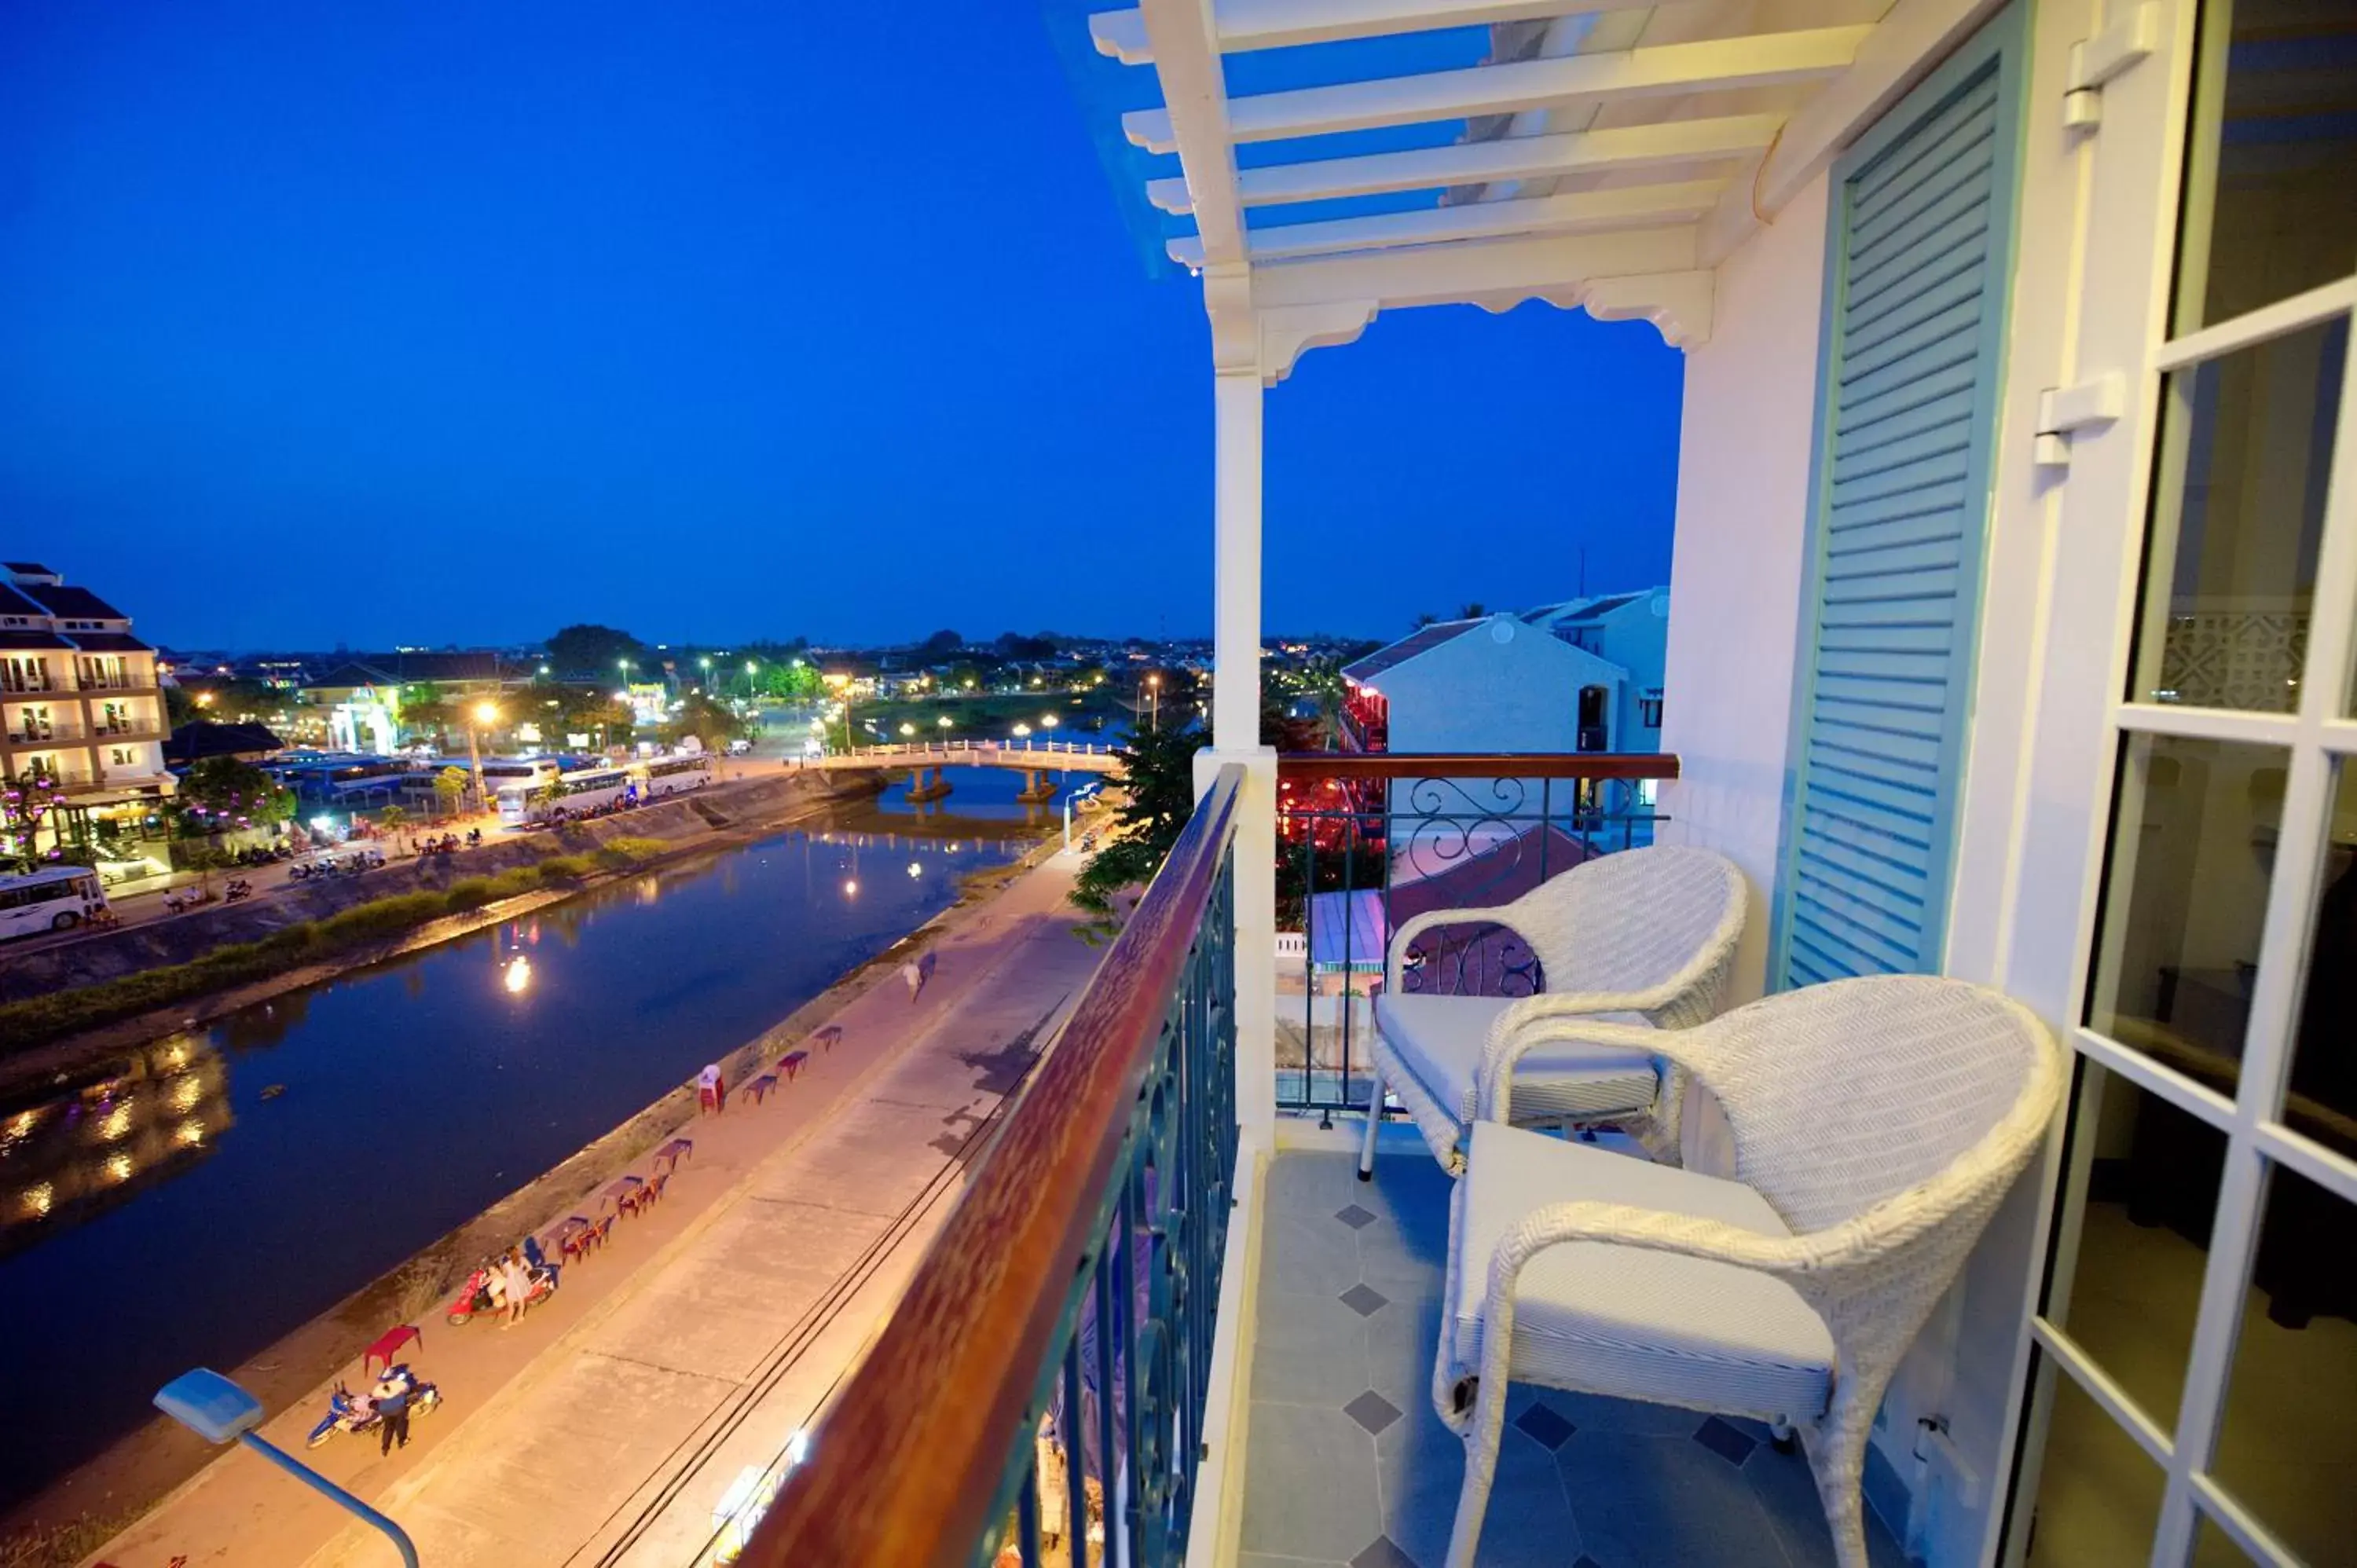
x=1230, y=1339
x=25, y=686
x=129, y=730
x=131, y=680
x=44, y=735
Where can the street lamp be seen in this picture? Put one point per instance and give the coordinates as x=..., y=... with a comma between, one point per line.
x=750, y=665
x=484, y=715
x=1154, y=695
x=217, y=1411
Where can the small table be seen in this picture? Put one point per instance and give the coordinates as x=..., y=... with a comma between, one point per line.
x=670, y=1154
x=616, y=1191
x=829, y=1036
x=792, y=1062
x=760, y=1088
x=575, y=1236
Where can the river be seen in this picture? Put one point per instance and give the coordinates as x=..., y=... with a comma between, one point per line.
x=235, y=1183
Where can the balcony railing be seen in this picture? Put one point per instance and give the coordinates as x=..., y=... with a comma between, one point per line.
x=1039, y=1394
x=43, y=735
x=27, y=685
x=123, y=681
x=1366, y=842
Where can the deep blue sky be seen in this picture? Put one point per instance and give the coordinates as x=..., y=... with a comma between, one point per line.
x=385, y=322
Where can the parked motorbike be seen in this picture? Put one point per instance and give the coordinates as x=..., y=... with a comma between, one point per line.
x=237, y=891
x=475, y=1296
x=348, y=1411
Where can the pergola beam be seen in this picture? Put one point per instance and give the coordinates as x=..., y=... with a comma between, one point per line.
x=1195, y=96
x=1483, y=163
x=1495, y=273
x=1653, y=71
x=1590, y=211
x=1245, y=25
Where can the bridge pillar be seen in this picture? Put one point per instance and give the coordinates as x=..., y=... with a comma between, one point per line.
x=1038, y=788
x=927, y=784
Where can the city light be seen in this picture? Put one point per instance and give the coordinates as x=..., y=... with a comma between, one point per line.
x=850, y=886
x=486, y=713
x=1048, y=721
x=945, y=721
x=915, y=870
x=908, y=729
x=1021, y=730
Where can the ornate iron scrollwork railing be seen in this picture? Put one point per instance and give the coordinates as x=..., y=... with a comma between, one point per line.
x=1365, y=842
x=1037, y=1398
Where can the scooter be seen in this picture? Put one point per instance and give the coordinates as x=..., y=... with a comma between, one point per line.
x=237, y=891
x=348, y=1411
x=475, y=1296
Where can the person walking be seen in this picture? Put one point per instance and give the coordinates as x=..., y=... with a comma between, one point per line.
x=393, y=1415
x=518, y=1284
x=914, y=976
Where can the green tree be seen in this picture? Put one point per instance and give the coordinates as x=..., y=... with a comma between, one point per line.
x=708, y=720
x=392, y=818
x=426, y=713
x=1158, y=796
x=942, y=644
x=222, y=793
x=449, y=789
x=587, y=649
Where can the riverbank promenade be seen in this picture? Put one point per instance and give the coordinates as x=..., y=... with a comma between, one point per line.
x=605, y=1426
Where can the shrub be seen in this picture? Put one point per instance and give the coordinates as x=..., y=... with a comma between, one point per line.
x=566, y=868
x=510, y=884
x=471, y=894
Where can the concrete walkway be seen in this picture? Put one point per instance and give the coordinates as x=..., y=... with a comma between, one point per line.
x=605, y=1426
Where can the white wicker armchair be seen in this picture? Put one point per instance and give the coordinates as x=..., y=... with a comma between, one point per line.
x=1877, y=1125
x=1643, y=937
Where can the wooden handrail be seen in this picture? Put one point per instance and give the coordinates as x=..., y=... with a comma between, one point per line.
x=1477, y=764
x=904, y=1469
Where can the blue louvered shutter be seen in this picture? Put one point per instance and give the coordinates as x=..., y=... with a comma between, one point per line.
x=1918, y=253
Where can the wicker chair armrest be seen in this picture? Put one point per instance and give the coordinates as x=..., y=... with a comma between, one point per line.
x=1569, y=1018
x=1417, y=925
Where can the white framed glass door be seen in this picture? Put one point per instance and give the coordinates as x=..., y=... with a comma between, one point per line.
x=2194, y=1392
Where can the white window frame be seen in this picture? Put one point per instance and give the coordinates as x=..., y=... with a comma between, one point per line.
x=2096, y=554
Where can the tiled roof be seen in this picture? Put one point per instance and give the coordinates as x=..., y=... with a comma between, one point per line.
x=107, y=643
x=13, y=602
x=200, y=738
x=79, y=603
x=29, y=568
x=1424, y=640
x=17, y=639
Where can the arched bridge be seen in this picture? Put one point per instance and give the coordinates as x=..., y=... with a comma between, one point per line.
x=1034, y=759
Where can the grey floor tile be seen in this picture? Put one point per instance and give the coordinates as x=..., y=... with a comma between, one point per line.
x=1400, y=1341
x=1373, y=1412
x=1599, y=1412
x=1310, y=1488
x=1308, y=1349
x=1365, y=1300
x=1311, y=1256
x=1528, y=1524
x=1789, y=1493
x=1383, y=1553
x=1263, y=1560
x=1664, y=1502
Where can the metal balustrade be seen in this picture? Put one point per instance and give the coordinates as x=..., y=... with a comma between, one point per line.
x=1055, y=1345
x=1364, y=841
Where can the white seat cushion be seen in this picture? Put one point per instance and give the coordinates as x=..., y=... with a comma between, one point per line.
x=1622, y=1320
x=1440, y=1039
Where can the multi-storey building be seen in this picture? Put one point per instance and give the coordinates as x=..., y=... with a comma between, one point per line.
x=79, y=703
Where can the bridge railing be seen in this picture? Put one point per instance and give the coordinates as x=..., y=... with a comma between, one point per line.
x=1025, y=746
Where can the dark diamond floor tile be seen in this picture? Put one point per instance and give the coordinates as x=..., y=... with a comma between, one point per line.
x=1365, y=1300
x=1356, y=1218
x=1371, y=1411
x=1724, y=1441
x=1383, y=1553
x=1545, y=1427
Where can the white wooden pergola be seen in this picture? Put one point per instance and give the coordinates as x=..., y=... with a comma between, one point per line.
x=1614, y=152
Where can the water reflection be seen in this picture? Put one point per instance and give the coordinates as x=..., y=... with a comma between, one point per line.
x=71, y=1157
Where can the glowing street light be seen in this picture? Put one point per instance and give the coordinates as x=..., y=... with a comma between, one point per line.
x=482, y=714
x=945, y=721
x=908, y=729
x=1153, y=689
x=1048, y=721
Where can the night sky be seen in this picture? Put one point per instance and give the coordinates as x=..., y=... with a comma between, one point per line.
x=379, y=323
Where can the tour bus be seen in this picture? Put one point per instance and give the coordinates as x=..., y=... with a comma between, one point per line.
x=585, y=790
x=57, y=899
x=672, y=775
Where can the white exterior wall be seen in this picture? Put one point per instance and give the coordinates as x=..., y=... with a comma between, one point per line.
x=1736, y=567
x=1476, y=694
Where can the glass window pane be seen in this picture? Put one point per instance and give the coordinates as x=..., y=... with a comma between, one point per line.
x=2098, y=1493
x=2239, y=484
x=2322, y=1102
x=2130, y=1287
x=2267, y=210
x=2288, y=1448
x=2192, y=852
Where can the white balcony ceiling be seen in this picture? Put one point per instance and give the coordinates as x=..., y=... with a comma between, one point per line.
x=1605, y=155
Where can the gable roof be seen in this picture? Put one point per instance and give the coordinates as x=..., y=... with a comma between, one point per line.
x=79, y=603
x=107, y=643
x=13, y=602
x=354, y=673
x=1424, y=639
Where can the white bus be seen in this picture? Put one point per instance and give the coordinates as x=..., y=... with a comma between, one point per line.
x=583, y=792
x=671, y=775
x=57, y=899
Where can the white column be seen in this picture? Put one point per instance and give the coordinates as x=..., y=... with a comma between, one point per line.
x=1235, y=737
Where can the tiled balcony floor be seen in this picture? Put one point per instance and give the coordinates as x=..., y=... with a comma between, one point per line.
x=1348, y=1465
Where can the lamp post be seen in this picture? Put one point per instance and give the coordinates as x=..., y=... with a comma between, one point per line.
x=483, y=714
x=750, y=666
x=217, y=1411
x=1154, y=695
x=704, y=664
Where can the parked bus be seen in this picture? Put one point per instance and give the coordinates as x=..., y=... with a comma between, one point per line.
x=673, y=775
x=583, y=792
x=57, y=899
